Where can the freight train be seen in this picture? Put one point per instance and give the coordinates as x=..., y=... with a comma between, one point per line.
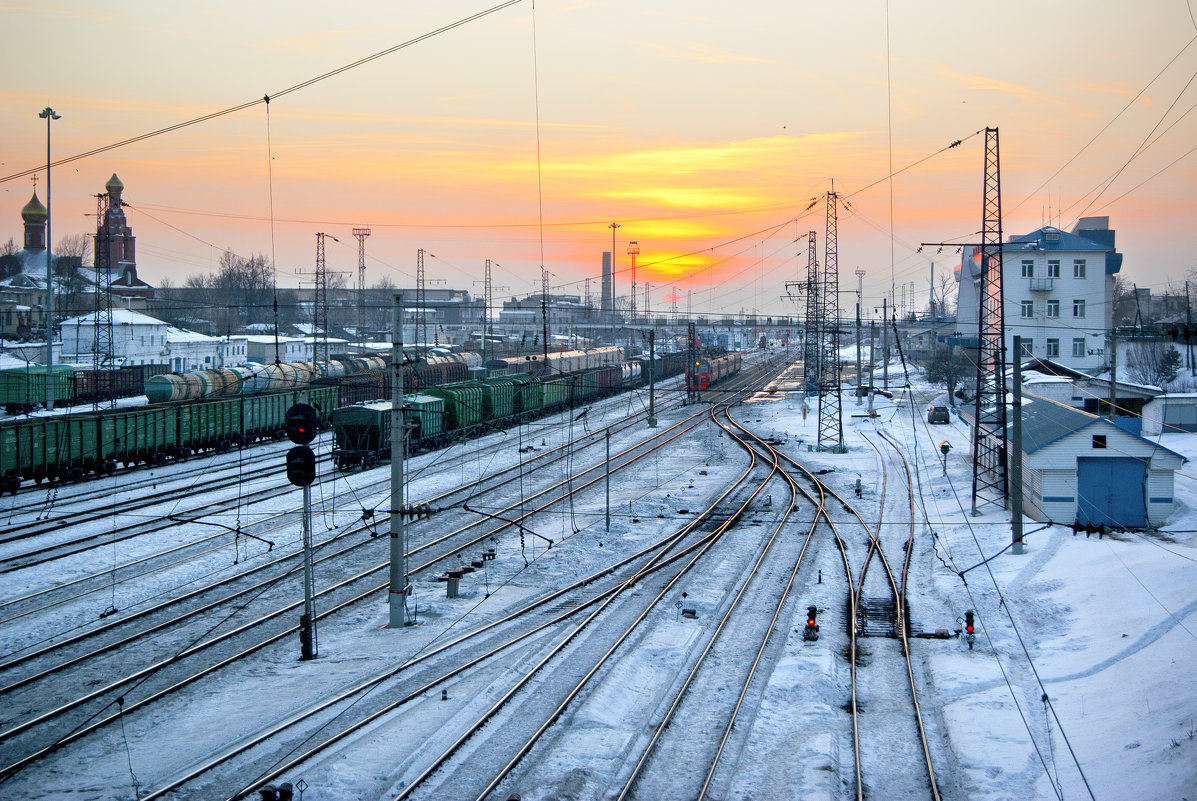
x=23, y=389
x=206, y=410
x=436, y=416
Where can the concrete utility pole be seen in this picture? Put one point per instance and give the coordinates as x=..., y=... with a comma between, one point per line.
x=934, y=313
x=885, y=343
x=1016, y=457
x=872, y=350
x=1113, y=372
x=652, y=385
x=398, y=577
x=860, y=274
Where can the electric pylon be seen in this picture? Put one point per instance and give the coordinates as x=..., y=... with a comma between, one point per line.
x=102, y=354
x=989, y=432
x=831, y=424
x=361, y=234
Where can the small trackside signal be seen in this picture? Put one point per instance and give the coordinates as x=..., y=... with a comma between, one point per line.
x=811, y=632
x=969, y=632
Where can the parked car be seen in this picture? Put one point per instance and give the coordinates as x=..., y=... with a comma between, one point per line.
x=938, y=414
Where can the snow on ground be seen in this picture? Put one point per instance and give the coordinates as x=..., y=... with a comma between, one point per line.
x=1104, y=626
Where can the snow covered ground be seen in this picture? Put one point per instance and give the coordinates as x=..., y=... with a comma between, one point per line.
x=1105, y=627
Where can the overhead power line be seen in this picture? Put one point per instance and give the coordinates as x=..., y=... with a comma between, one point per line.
x=266, y=98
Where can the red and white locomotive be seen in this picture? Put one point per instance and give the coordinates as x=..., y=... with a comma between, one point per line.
x=707, y=370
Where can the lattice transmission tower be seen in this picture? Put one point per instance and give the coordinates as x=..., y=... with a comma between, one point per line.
x=360, y=234
x=421, y=299
x=989, y=433
x=320, y=310
x=102, y=352
x=831, y=423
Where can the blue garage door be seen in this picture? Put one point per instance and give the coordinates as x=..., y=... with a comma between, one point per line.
x=1110, y=492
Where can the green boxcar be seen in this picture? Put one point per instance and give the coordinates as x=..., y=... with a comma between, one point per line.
x=22, y=388
x=529, y=399
x=499, y=397
x=463, y=405
x=426, y=416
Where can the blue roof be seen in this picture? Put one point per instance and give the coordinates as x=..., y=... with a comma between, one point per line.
x=1048, y=238
x=1060, y=240
x=1045, y=422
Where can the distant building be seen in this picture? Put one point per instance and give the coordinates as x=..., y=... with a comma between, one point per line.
x=23, y=274
x=139, y=339
x=1057, y=289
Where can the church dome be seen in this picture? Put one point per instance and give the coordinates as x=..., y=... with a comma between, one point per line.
x=114, y=184
x=34, y=212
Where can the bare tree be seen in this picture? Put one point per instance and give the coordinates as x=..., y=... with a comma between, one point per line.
x=943, y=295
x=1157, y=363
x=74, y=245
x=9, y=247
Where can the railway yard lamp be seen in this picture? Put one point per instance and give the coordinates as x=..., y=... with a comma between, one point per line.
x=301, y=424
x=48, y=114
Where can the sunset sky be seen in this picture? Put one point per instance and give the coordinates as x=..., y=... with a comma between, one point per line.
x=705, y=128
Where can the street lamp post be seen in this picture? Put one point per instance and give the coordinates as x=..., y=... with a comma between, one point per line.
x=613, y=226
x=48, y=114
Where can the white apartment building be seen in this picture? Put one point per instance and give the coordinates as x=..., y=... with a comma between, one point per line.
x=140, y=339
x=1058, y=290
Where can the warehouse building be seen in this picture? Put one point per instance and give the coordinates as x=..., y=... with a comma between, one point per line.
x=1078, y=467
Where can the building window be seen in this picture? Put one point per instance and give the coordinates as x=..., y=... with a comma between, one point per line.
x=1053, y=268
x=1053, y=308
x=1078, y=346
x=1053, y=348
x=1028, y=268
x=1028, y=347
x=1099, y=440
x=1078, y=308
x=1078, y=268
x=1028, y=308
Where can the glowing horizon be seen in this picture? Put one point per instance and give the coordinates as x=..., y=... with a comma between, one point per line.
x=707, y=137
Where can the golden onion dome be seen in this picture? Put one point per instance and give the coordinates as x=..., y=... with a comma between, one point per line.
x=34, y=211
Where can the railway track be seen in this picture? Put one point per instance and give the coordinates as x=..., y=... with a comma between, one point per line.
x=128, y=705
x=258, y=532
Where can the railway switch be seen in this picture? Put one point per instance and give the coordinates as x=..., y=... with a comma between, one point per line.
x=811, y=632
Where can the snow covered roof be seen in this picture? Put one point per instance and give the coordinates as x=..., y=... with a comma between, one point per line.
x=119, y=317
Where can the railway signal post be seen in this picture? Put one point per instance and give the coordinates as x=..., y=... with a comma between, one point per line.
x=301, y=424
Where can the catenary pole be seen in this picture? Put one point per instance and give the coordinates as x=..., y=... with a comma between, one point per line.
x=1016, y=455
x=398, y=575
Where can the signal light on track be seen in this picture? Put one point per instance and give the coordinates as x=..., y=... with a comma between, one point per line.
x=969, y=636
x=301, y=423
x=811, y=632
